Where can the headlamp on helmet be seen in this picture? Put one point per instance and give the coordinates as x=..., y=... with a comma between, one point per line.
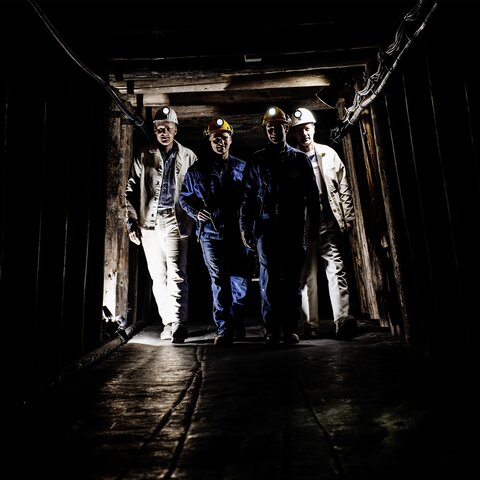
x=166, y=114
x=218, y=125
x=301, y=116
x=275, y=114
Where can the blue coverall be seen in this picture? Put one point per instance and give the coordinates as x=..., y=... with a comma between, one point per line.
x=216, y=185
x=280, y=189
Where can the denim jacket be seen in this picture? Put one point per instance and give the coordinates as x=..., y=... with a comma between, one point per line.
x=216, y=186
x=280, y=188
x=143, y=187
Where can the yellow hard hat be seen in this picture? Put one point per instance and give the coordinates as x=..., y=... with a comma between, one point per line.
x=218, y=125
x=275, y=114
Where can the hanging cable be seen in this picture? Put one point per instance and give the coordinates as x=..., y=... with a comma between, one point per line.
x=376, y=82
x=138, y=121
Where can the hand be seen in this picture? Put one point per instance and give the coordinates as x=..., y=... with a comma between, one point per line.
x=248, y=240
x=204, y=216
x=135, y=235
x=134, y=232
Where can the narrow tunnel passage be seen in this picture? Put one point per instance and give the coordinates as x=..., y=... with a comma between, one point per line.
x=370, y=408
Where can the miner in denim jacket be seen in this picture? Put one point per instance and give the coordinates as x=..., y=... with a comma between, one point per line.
x=156, y=221
x=211, y=194
x=280, y=190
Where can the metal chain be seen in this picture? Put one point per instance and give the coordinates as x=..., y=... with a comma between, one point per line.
x=387, y=62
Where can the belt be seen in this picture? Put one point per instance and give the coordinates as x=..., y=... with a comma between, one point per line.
x=165, y=211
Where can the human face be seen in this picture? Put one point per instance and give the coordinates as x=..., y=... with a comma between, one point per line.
x=276, y=132
x=220, y=143
x=165, y=132
x=304, y=135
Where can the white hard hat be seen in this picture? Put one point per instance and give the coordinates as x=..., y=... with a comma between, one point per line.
x=166, y=114
x=301, y=116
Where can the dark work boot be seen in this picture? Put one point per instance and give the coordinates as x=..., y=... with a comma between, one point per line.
x=179, y=333
x=345, y=328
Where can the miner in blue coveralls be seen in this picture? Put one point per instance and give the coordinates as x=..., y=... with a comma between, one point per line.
x=280, y=190
x=211, y=194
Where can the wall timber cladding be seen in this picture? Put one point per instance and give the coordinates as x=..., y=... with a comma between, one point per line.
x=116, y=237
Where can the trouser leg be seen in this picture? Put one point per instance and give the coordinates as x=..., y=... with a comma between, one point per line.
x=291, y=292
x=309, y=286
x=239, y=289
x=269, y=277
x=330, y=252
x=153, y=247
x=214, y=257
x=166, y=254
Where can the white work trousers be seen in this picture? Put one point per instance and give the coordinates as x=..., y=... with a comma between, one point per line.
x=166, y=255
x=327, y=250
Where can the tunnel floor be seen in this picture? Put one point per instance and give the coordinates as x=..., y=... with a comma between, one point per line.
x=371, y=408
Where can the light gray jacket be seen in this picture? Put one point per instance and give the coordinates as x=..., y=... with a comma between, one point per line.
x=336, y=183
x=143, y=187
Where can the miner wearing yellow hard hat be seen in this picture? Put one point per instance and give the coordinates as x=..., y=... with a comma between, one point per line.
x=211, y=195
x=279, y=188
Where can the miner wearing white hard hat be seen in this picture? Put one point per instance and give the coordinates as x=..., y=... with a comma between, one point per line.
x=211, y=195
x=337, y=216
x=156, y=220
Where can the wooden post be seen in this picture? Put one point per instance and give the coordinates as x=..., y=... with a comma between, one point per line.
x=362, y=261
x=116, y=267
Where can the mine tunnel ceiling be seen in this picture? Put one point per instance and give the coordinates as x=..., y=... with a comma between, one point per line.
x=228, y=58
